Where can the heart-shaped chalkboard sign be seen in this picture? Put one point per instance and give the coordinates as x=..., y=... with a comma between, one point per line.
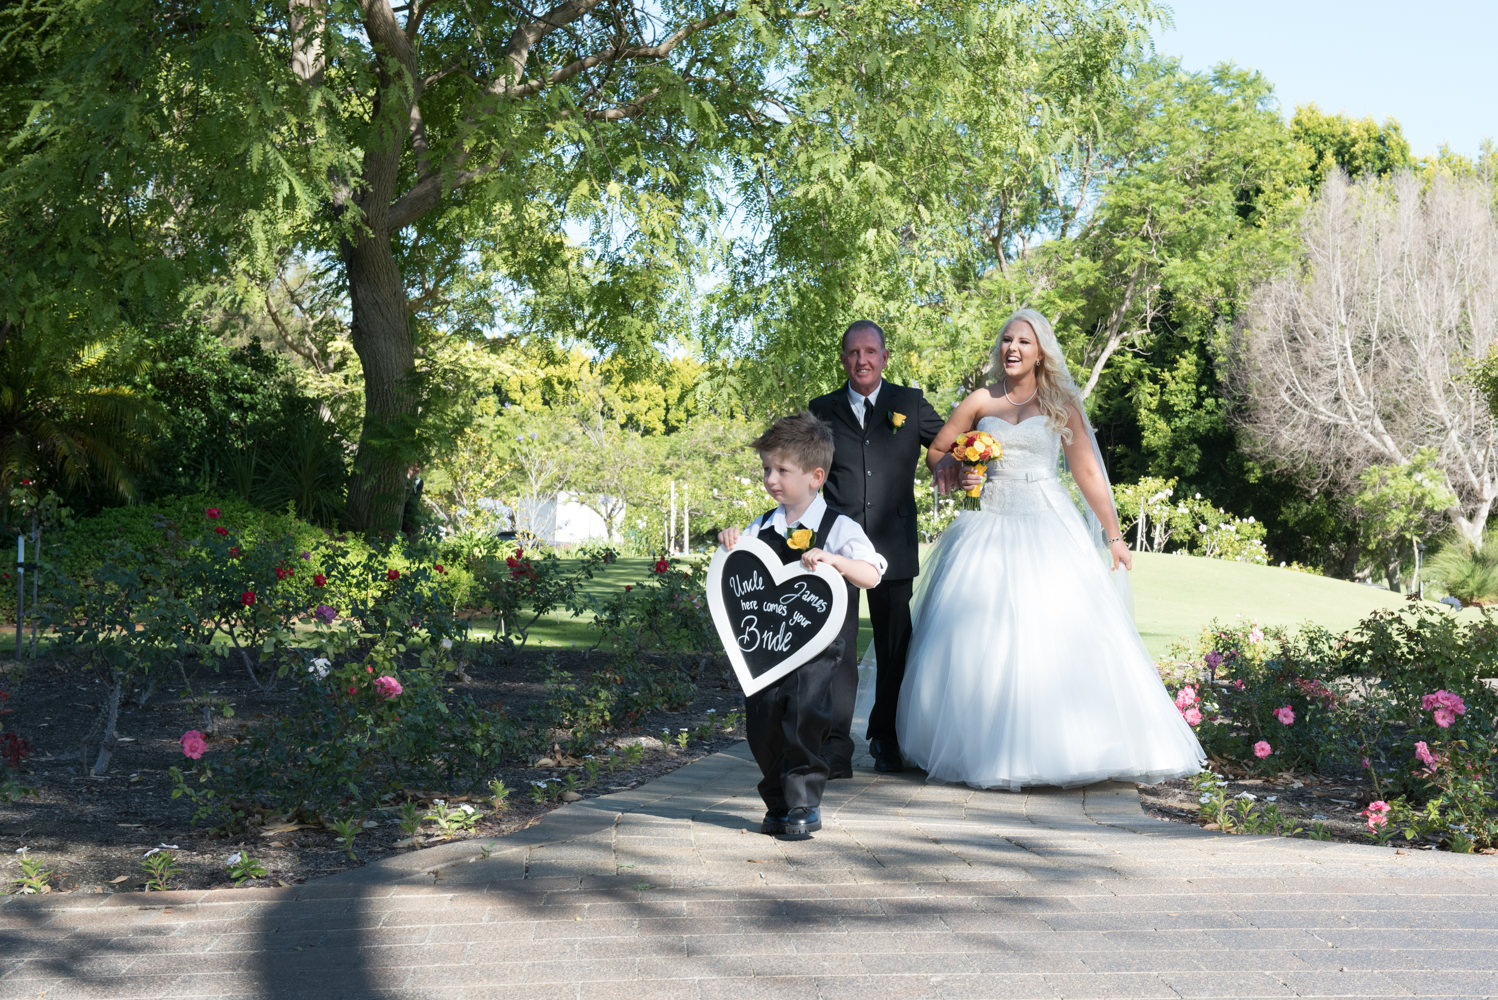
x=772, y=617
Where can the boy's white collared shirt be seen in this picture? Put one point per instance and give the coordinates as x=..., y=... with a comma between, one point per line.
x=845, y=538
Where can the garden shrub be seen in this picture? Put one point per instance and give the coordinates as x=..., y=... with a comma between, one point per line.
x=1399, y=704
x=1185, y=524
x=363, y=729
x=1469, y=573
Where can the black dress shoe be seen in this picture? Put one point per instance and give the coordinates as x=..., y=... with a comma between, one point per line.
x=802, y=822
x=887, y=758
x=773, y=824
x=839, y=769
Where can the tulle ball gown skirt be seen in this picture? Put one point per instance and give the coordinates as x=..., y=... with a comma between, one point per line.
x=1025, y=667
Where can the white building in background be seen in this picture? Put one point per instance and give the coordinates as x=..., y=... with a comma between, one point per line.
x=555, y=520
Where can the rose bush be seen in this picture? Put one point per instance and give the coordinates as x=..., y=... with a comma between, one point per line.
x=1399, y=704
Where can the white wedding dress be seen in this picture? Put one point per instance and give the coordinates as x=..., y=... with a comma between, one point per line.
x=1025, y=667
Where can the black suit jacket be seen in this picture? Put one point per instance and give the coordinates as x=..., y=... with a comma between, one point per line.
x=872, y=478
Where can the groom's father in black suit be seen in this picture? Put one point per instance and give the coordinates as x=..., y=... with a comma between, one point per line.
x=880, y=432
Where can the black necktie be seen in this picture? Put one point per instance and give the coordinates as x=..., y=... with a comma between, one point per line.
x=864, y=410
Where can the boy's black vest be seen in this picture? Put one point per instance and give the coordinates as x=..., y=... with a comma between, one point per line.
x=778, y=544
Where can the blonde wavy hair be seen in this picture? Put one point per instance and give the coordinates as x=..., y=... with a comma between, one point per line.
x=1054, y=389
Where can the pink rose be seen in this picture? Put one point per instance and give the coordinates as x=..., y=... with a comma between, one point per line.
x=1377, y=813
x=388, y=687
x=1239, y=685
x=1286, y=715
x=1423, y=754
x=1256, y=635
x=1193, y=716
x=193, y=744
x=1445, y=706
x=1186, y=697
x=1444, y=699
x=1262, y=749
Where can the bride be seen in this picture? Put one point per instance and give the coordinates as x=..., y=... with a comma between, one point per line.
x=1025, y=667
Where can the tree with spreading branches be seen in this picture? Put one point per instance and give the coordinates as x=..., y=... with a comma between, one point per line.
x=1357, y=356
x=401, y=146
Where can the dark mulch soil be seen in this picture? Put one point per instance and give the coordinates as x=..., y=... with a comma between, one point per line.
x=92, y=832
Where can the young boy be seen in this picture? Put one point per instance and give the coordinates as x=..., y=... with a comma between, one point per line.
x=788, y=721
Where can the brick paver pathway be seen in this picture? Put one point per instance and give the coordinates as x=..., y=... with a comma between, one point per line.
x=911, y=891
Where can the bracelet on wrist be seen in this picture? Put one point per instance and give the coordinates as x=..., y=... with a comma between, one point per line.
x=1118, y=539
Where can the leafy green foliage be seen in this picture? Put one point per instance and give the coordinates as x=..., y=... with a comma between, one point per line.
x=238, y=422
x=1398, y=506
x=1400, y=701
x=1469, y=572
x=1354, y=146
x=1154, y=519
x=67, y=421
x=913, y=178
x=344, y=749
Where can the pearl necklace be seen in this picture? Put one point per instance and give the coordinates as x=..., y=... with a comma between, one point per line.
x=1011, y=398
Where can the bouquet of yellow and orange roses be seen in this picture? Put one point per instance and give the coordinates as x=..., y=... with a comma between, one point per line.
x=976, y=449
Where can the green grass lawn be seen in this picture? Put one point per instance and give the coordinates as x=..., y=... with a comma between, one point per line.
x=1174, y=598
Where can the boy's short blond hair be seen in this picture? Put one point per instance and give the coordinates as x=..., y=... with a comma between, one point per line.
x=803, y=439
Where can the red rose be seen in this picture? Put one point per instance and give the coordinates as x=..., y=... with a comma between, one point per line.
x=219, y=529
x=247, y=598
x=212, y=512
x=510, y=562
x=25, y=482
x=282, y=572
x=440, y=569
x=318, y=580
x=661, y=565
x=392, y=574
x=628, y=587
x=234, y=552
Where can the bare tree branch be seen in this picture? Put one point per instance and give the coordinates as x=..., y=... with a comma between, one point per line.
x=1356, y=358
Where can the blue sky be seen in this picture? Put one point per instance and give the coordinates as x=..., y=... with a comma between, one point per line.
x=1432, y=66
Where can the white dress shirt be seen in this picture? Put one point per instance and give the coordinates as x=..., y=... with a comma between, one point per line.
x=856, y=398
x=845, y=538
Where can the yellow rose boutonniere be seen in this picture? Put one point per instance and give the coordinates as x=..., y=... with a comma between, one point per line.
x=800, y=539
x=896, y=420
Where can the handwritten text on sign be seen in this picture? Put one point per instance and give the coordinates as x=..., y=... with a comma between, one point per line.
x=772, y=617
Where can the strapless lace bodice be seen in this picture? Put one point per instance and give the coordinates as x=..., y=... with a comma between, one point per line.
x=1029, y=446
x=1015, y=482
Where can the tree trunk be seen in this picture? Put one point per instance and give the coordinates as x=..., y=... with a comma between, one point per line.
x=381, y=334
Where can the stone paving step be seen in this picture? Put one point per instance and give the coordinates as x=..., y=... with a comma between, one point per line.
x=911, y=890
